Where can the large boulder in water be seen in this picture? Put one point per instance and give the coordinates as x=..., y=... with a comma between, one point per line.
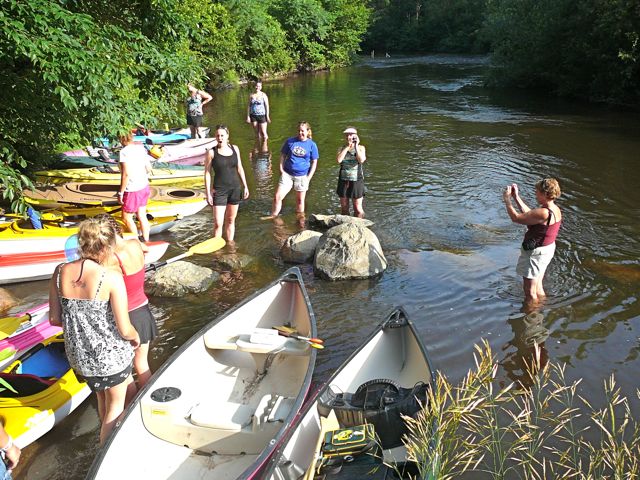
x=349, y=251
x=301, y=247
x=179, y=279
x=323, y=222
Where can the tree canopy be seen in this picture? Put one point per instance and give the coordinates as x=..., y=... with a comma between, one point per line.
x=77, y=69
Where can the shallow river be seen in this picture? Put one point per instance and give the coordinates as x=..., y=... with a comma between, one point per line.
x=440, y=150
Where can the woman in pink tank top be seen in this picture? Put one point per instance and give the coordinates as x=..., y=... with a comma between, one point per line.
x=543, y=225
x=128, y=259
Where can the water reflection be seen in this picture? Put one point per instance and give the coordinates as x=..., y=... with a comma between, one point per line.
x=260, y=157
x=530, y=355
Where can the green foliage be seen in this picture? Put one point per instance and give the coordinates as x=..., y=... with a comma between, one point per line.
x=306, y=25
x=583, y=48
x=523, y=431
x=426, y=26
x=264, y=48
x=74, y=70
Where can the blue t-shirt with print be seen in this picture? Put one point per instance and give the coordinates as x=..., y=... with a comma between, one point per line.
x=299, y=155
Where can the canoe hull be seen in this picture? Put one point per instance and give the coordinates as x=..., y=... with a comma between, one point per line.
x=228, y=425
x=394, y=351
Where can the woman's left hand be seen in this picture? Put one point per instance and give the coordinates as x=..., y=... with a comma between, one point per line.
x=245, y=194
x=507, y=192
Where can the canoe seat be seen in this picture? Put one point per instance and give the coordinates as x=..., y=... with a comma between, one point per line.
x=234, y=416
x=261, y=343
x=222, y=416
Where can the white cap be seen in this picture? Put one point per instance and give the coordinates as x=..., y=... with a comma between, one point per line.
x=350, y=130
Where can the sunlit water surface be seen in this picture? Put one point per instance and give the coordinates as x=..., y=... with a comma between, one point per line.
x=440, y=149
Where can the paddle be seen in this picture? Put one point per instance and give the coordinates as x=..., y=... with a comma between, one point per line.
x=8, y=325
x=289, y=332
x=208, y=246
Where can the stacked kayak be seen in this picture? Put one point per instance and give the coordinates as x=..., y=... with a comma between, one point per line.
x=162, y=174
x=29, y=266
x=163, y=201
x=39, y=390
x=24, y=331
x=20, y=236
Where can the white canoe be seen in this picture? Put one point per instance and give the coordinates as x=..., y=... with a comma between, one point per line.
x=392, y=358
x=25, y=267
x=217, y=407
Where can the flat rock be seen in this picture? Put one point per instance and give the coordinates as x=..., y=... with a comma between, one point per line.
x=180, y=278
x=327, y=221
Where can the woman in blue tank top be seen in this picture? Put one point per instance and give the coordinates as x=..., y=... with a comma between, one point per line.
x=258, y=112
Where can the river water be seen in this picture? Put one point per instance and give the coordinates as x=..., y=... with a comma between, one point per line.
x=441, y=148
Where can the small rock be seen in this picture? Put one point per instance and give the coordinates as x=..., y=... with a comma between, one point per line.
x=179, y=279
x=232, y=261
x=301, y=247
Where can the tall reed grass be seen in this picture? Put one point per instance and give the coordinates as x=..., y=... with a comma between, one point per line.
x=541, y=430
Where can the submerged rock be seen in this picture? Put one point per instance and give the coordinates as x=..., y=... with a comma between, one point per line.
x=349, y=251
x=179, y=279
x=232, y=261
x=301, y=247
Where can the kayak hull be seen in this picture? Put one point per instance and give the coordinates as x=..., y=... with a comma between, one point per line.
x=24, y=267
x=29, y=417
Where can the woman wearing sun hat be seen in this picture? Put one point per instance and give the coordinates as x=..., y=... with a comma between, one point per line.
x=350, y=157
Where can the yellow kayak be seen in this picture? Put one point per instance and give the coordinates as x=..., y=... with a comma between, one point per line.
x=185, y=176
x=181, y=199
x=21, y=237
x=38, y=391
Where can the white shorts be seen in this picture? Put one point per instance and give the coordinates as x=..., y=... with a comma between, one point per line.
x=533, y=263
x=299, y=184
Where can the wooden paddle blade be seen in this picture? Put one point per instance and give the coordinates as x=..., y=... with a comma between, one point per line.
x=285, y=329
x=208, y=246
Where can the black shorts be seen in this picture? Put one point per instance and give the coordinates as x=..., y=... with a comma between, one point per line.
x=98, y=384
x=227, y=196
x=194, y=120
x=144, y=323
x=258, y=118
x=350, y=189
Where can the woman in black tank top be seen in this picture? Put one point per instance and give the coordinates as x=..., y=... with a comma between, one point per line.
x=229, y=183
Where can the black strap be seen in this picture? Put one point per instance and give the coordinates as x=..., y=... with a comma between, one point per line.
x=549, y=217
